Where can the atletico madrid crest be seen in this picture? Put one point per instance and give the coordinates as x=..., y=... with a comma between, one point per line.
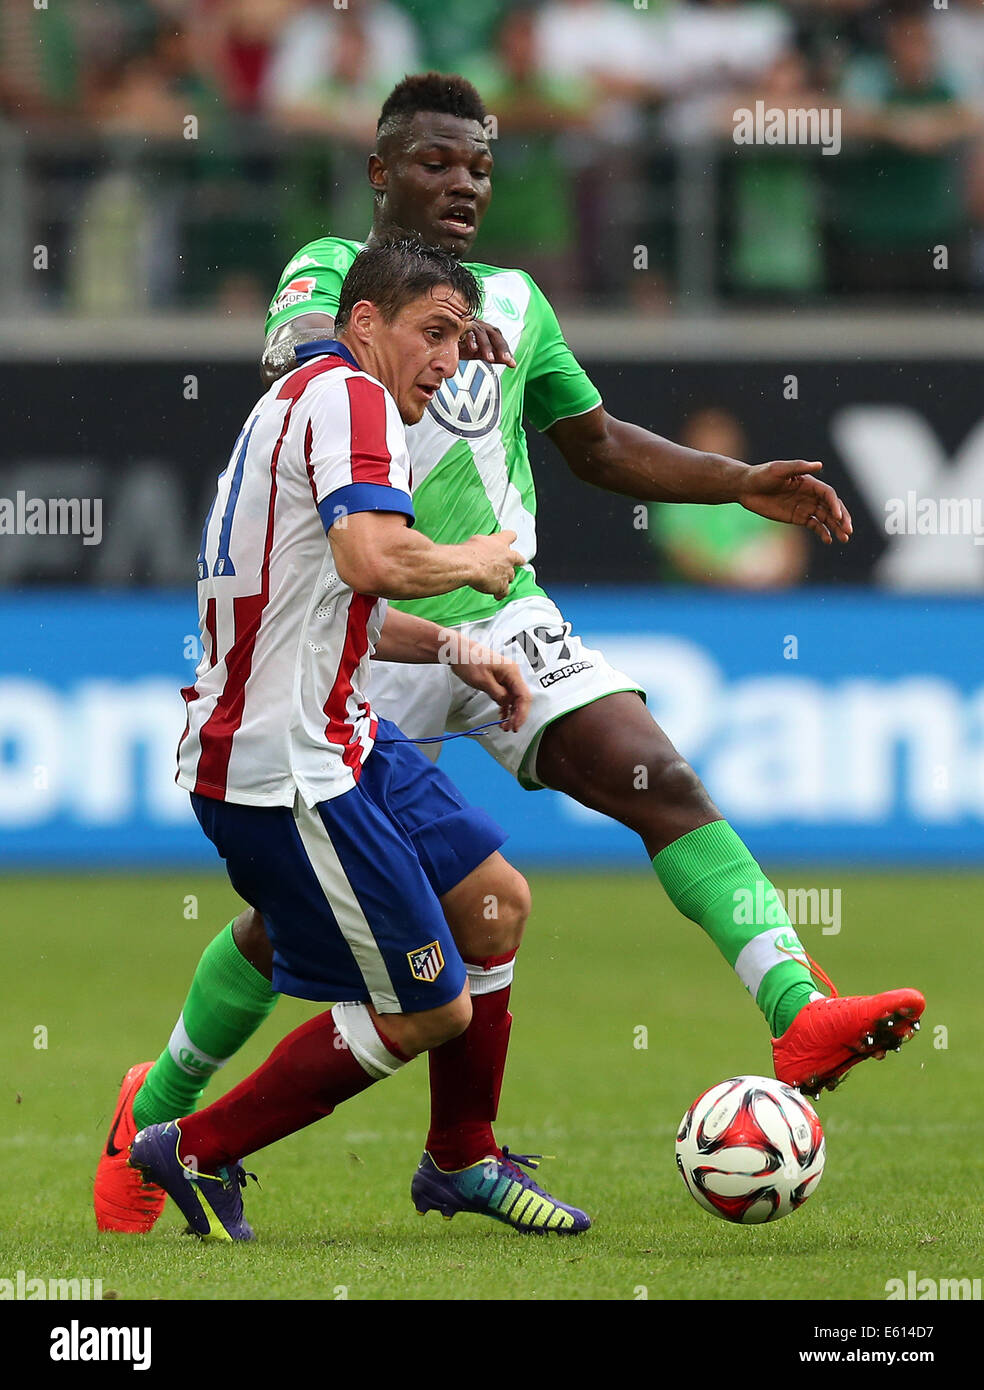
x=426, y=963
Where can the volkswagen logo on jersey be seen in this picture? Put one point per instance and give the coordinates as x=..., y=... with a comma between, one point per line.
x=469, y=403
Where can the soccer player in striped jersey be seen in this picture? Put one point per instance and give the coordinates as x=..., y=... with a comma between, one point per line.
x=332, y=824
x=589, y=731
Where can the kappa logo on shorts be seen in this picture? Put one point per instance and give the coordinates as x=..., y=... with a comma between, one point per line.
x=426, y=963
x=574, y=669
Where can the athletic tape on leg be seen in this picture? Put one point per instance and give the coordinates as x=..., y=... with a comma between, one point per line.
x=481, y=981
x=354, y=1023
x=191, y=1059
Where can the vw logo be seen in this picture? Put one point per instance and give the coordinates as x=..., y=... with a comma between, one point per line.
x=469, y=403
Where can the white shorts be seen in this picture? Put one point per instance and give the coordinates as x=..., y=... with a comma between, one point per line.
x=561, y=672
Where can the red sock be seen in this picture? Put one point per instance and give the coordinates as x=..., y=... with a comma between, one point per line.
x=466, y=1078
x=302, y=1080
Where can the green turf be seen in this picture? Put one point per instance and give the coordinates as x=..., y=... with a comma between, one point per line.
x=102, y=964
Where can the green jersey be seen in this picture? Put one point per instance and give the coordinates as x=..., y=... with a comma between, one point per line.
x=471, y=469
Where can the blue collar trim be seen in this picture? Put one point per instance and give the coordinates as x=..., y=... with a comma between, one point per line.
x=305, y=351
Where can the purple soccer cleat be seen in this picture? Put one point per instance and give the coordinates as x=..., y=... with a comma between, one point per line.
x=154, y=1152
x=496, y=1187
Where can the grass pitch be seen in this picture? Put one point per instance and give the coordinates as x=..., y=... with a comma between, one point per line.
x=623, y=1013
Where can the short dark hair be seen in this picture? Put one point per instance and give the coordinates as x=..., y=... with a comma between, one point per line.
x=446, y=94
x=400, y=269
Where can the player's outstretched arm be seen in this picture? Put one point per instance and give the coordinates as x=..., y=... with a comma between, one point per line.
x=377, y=553
x=786, y=490
x=278, y=351
x=627, y=459
x=410, y=639
x=491, y=673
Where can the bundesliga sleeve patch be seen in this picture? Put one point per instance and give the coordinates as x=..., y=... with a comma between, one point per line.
x=294, y=293
x=427, y=962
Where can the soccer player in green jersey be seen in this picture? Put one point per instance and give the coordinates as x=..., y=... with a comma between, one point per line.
x=588, y=732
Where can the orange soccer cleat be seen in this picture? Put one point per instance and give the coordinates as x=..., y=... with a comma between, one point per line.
x=829, y=1036
x=121, y=1198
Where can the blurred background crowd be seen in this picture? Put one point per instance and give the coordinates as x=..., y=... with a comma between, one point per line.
x=175, y=152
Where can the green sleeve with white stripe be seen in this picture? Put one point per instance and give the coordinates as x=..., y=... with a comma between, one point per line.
x=557, y=386
x=312, y=281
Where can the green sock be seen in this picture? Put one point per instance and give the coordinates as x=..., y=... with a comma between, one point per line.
x=711, y=878
x=227, y=1002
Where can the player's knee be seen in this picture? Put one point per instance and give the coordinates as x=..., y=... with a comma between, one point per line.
x=250, y=935
x=457, y=1016
x=507, y=911
x=671, y=784
x=437, y=1026
x=675, y=779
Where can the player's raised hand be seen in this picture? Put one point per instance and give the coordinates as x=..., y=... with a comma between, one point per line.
x=484, y=341
x=786, y=490
x=493, y=674
x=496, y=562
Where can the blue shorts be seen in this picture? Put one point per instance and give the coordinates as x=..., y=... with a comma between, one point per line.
x=349, y=889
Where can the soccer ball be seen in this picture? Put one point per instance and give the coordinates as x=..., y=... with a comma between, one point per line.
x=750, y=1149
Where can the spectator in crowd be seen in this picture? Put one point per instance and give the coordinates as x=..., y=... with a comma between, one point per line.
x=237, y=39
x=958, y=32
x=722, y=42
x=724, y=546
x=169, y=209
x=150, y=91
x=703, y=53
x=959, y=35
x=341, y=96
x=382, y=49
x=901, y=194
x=453, y=34
x=605, y=46
x=39, y=64
x=709, y=49
x=531, y=218
x=332, y=70
x=775, y=228
x=604, y=42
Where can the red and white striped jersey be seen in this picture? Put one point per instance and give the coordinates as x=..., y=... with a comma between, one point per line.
x=279, y=702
